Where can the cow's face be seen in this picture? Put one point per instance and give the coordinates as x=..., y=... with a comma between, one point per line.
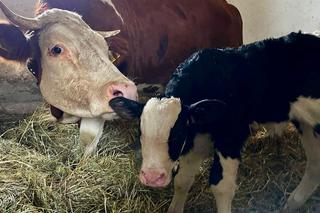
x=70, y=60
x=167, y=131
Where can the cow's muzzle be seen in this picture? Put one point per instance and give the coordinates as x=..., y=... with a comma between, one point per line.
x=127, y=90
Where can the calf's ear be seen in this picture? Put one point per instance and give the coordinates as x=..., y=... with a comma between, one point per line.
x=13, y=43
x=207, y=112
x=126, y=108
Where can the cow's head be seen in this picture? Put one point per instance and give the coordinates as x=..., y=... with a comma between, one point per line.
x=69, y=59
x=167, y=131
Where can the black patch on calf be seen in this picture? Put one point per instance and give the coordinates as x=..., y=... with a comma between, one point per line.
x=163, y=46
x=216, y=170
x=297, y=125
x=126, y=108
x=256, y=81
x=181, y=135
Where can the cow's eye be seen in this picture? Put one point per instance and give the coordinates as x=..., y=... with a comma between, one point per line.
x=56, y=50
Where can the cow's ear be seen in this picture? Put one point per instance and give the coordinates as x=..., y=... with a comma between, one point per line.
x=126, y=108
x=207, y=112
x=13, y=43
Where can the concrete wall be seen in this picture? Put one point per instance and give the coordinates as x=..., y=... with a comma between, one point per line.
x=269, y=18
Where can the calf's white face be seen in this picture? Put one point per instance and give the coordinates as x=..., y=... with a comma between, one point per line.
x=157, y=119
x=75, y=74
x=168, y=130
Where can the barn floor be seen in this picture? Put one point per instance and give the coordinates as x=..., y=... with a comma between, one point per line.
x=41, y=170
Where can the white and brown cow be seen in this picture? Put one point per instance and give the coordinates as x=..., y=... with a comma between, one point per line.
x=71, y=63
x=275, y=80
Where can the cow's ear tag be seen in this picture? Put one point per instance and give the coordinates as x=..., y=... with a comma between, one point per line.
x=107, y=34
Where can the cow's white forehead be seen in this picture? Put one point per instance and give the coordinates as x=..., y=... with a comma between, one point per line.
x=158, y=117
x=60, y=16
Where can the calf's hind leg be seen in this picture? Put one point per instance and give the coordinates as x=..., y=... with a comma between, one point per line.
x=311, y=177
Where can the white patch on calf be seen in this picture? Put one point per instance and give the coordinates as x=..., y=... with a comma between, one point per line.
x=157, y=119
x=113, y=7
x=225, y=190
x=306, y=110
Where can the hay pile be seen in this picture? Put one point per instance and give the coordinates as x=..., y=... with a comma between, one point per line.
x=41, y=170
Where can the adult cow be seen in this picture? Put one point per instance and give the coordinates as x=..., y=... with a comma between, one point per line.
x=275, y=80
x=74, y=72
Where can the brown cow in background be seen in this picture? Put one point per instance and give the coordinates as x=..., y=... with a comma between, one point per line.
x=157, y=35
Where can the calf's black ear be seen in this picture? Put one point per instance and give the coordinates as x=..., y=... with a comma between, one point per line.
x=126, y=108
x=207, y=112
x=13, y=43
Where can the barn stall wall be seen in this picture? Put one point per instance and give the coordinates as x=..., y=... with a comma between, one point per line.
x=19, y=94
x=262, y=18
x=274, y=18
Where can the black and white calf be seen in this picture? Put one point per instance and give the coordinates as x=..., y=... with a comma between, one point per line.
x=210, y=101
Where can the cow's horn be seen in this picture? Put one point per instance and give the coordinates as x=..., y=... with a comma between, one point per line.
x=107, y=34
x=23, y=22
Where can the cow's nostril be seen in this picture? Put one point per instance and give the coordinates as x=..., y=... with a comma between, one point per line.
x=117, y=93
x=161, y=176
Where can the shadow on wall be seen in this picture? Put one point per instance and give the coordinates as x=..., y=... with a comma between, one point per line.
x=273, y=18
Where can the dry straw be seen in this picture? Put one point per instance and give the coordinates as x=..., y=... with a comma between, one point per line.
x=41, y=170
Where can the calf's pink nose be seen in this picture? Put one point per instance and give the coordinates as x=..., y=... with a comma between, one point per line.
x=153, y=177
x=127, y=90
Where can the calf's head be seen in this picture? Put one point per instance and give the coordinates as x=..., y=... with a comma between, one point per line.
x=70, y=61
x=167, y=131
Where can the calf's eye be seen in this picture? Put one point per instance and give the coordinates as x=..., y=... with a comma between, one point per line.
x=56, y=50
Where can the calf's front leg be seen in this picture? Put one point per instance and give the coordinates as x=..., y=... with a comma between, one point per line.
x=223, y=176
x=90, y=133
x=188, y=168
